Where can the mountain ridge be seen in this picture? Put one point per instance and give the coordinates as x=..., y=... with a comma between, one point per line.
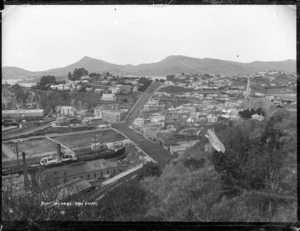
x=172, y=64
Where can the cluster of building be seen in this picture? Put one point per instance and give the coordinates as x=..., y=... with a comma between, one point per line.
x=156, y=122
x=102, y=115
x=177, y=128
x=99, y=87
x=110, y=114
x=200, y=82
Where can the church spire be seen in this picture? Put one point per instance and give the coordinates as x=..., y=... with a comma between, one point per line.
x=248, y=89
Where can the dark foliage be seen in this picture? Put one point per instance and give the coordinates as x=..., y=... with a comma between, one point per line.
x=251, y=163
x=246, y=114
x=149, y=169
x=145, y=84
x=221, y=126
x=278, y=116
x=47, y=79
x=94, y=75
x=125, y=203
x=193, y=163
x=21, y=94
x=78, y=73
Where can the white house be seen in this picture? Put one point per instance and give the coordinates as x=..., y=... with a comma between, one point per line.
x=138, y=122
x=68, y=111
x=112, y=116
x=177, y=149
x=156, y=118
x=85, y=77
x=191, y=119
x=211, y=118
x=115, y=90
x=59, y=121
x=98, y=112
x=108, y=97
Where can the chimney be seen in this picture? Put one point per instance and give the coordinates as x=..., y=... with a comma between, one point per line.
x=59, y=152
x=25, y=172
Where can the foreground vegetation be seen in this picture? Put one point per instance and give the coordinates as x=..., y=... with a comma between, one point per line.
x=253, y=181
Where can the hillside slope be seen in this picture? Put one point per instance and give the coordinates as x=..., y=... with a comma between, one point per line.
x=194, y=188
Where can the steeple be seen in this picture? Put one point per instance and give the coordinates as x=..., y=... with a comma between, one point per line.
x=248, y=89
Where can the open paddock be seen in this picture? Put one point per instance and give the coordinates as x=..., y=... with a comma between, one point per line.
x=175, y=89
x=33, y=147
x=81, y=140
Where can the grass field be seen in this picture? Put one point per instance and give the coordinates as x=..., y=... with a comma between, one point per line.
x=86, y=139
x=32, y=147
x=175, y=89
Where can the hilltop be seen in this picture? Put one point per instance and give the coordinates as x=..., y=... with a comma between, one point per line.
x=171, y=65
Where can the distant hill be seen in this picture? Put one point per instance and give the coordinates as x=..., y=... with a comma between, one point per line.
x=171, y=65
x=17, y=73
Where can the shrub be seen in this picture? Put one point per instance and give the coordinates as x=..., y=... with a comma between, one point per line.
x=193, y=163
x=252, y=163
x=149, y=169
x=127, y=202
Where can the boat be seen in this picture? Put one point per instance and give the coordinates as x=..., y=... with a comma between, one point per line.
x=92, y=155
x=54, y=159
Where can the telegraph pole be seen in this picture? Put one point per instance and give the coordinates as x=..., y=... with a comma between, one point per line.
x=17, y=150
x=95, y=142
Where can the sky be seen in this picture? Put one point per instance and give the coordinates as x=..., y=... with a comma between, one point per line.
x=38, y=38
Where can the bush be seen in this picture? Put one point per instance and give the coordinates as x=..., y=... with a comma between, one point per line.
x=125, y=203
x=246, y=114
x=149, y=169
x=193, y=163
x=252, y=163
x=146, y=83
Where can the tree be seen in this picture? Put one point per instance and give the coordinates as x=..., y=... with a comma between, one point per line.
x=47, y=79
x=16, y=85
x=252, y=163
x=247, y=114
x=145, y=82
x=149, y=169
x=70, y=76
x=94, y=75
x=78, y=73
